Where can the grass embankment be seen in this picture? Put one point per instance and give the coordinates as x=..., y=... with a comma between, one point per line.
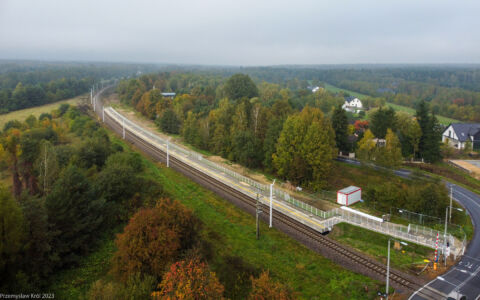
x=230, y=233
x=408, y=258
x=443, y=120
x=36, y=111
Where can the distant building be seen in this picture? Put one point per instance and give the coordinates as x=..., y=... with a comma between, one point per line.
x=314, y=89
x=352, y=104
x=458, y=134
x=168, y=95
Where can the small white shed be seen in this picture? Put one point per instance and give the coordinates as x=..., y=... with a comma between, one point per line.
x=349, y=195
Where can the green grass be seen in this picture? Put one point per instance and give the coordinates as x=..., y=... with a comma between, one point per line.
x=396, y=107
x=375, y=245
x=22, y=114
x=335, y=89
x=74, y=283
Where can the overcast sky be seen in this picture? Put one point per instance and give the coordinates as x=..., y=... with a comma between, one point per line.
x=242, y=32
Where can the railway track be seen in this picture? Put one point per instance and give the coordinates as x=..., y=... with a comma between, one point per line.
x=344, y=255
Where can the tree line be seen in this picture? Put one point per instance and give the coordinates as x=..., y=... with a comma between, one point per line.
x=29, y=84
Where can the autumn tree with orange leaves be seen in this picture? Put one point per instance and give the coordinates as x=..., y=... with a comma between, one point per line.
x=153, y=239
x=189, y=279
x=264, y=288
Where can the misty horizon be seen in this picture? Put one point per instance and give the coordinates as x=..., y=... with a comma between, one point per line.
x=247, y=33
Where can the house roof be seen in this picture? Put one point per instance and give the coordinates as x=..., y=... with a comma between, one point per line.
x=463, y=130
x=168, y=94
x=350, y=99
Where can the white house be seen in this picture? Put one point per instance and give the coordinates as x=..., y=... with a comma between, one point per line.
x=352, y=104
x=458, y=134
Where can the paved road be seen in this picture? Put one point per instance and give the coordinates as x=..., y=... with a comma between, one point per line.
x=464, y=277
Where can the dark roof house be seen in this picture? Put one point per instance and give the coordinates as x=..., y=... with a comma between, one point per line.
x=457, y=134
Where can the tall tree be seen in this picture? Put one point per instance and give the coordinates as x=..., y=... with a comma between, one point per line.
x=75, y=214
x=11, y=238
x=366, y=146
x=38, y=248
x=169, y=122
x=11, y=144
x=319, y=151
x=273, y=132
x=306, y=143
x=390, y=155
x=430, y=140
x=382, y=119
x=340, y=126
x=153, y=239
x=239, y=86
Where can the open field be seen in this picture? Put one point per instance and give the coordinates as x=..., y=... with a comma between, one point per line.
x=396, y=107
x=36, y=111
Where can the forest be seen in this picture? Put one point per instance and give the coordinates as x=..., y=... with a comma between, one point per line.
x=71, y=185
x=292, y=134
x=29, y=84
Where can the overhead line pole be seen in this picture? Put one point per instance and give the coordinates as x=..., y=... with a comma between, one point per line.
x=271, y=202
x=123, y=125
x=168, y=154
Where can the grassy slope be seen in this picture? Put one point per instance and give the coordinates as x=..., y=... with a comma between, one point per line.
x=411, y=111
x=231, y=232
x=36, y=111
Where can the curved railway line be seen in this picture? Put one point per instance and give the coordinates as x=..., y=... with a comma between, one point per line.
x=331, y=249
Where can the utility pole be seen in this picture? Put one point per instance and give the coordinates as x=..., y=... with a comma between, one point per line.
x=91, y=95
x=123, y=123
x=258, y=212
x=445, y=237
x=388, y=268
x=451, y=196
x=45, y=175
x=103, y=114
x=271, y=202
x=168, y=154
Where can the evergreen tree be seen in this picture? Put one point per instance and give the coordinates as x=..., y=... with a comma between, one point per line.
x=430, y=140
x=74, y=214
x=11, y=238
x=169, y=122
x=38, y=247
x=382, y=119
x=433, y=141
x=423, y=120
x=340, y=126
